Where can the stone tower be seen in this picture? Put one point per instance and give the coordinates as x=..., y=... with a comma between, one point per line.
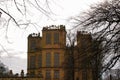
x=46, y=53
x=83, y=70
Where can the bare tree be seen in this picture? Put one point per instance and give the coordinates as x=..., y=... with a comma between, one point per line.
x=81, y=56
x=104, y=22
x=3, y=69
x=96, y=59
x=21, y=14
x=20, y=11
x=69, y=56
x=113, y=74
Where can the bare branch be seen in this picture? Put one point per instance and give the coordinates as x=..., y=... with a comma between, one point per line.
x=10, y=16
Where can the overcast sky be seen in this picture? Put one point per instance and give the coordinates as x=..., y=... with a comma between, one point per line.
x=16, y=42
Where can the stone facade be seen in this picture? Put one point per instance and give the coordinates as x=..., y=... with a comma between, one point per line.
x=51, y=49
x=46, y=54
x=83, y=70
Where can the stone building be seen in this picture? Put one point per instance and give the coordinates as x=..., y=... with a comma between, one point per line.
x=83, y=50
x=47, y=54
x=49, y=58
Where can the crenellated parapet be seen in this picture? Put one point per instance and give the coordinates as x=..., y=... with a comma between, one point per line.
x=83, y=33
x=54, y=27
x=34, y=35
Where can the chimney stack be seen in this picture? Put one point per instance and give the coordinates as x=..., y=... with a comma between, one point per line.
x=22, y=73
x=10, y=73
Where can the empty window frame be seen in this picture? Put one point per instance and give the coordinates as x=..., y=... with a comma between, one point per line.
x=32, y=61
x=48, y=74
x=40, y=60
x=33, y=45
x=84, y=74
x=56, y=38
x=56, y=74
x=48, y=38
x=48, y=59
x=56, y=59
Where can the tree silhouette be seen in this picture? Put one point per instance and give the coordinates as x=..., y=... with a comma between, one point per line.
x=103, y=20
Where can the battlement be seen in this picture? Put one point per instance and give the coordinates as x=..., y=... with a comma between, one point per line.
x=83, y=33
x=34, y=35
x=54, y=27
